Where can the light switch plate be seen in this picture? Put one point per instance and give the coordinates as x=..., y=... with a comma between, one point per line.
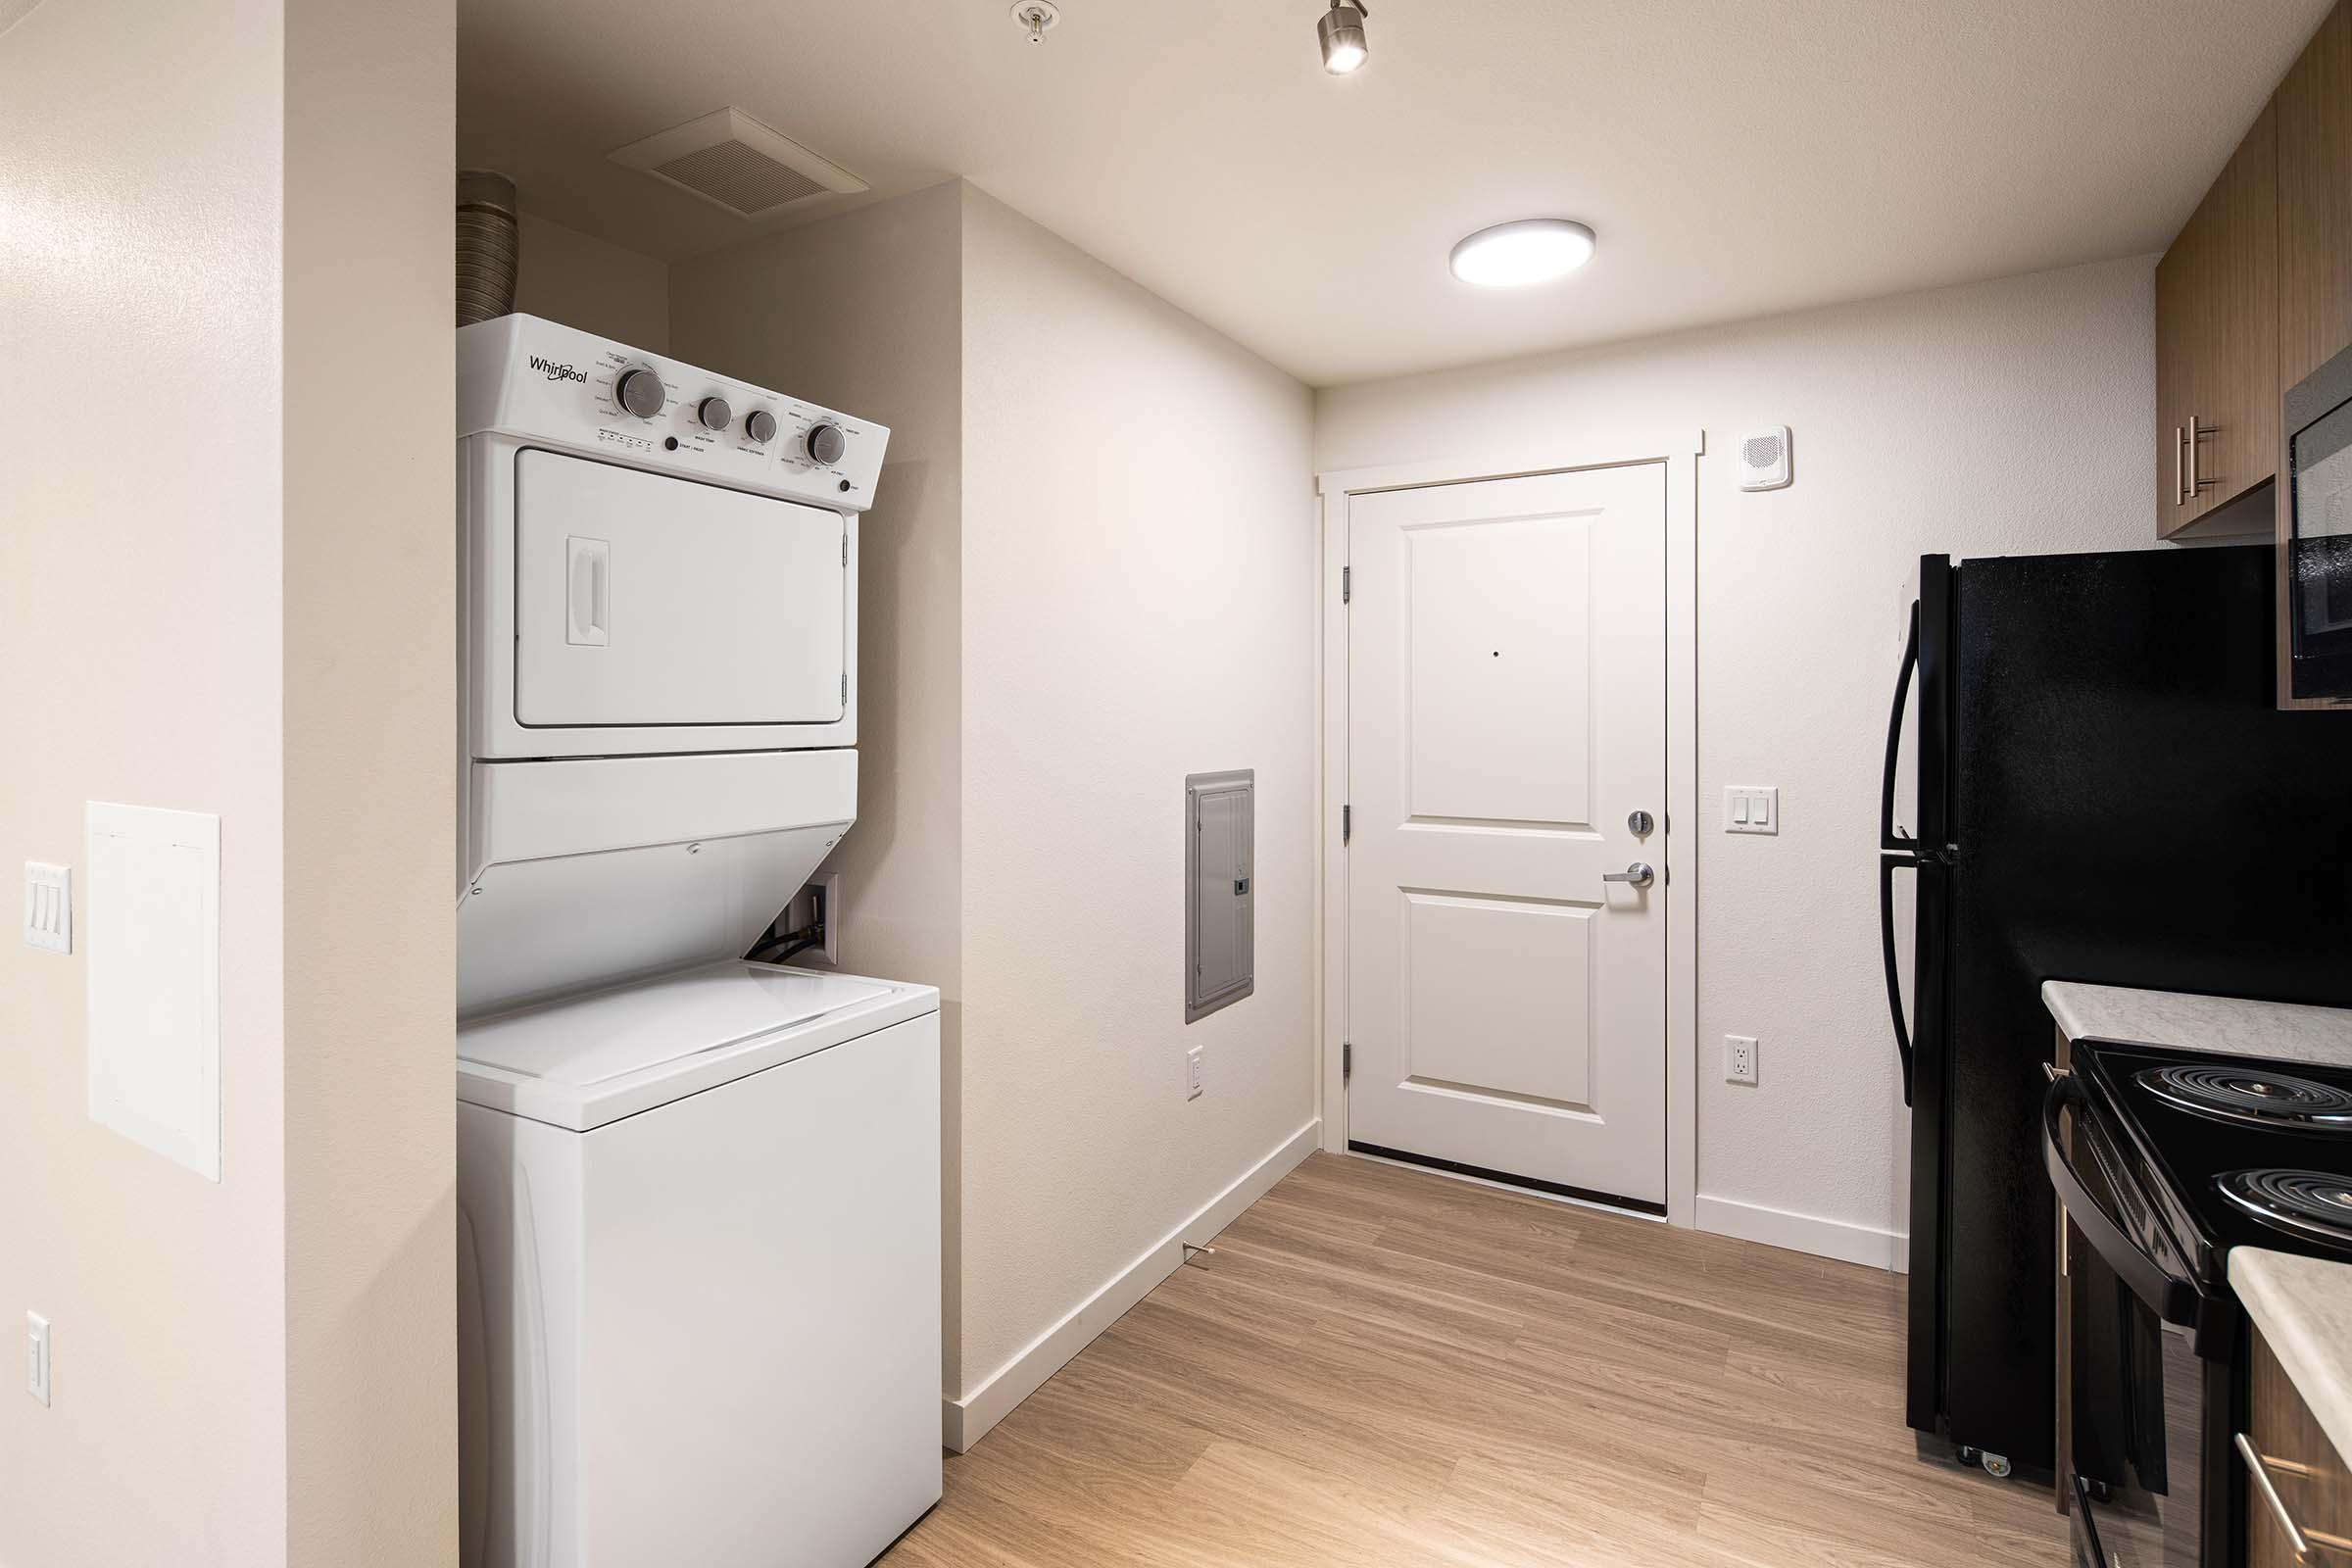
x=1192, y=1073
x=36, y=1356
x=1751, y=809
x=48, y=907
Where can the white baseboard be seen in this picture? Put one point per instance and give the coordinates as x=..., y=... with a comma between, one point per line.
x=1805, y=1233
x=965, y=1421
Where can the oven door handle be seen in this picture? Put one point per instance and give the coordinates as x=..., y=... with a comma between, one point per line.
x=2176, y=1301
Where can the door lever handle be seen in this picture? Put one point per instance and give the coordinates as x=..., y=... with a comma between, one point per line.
x=1638, y=874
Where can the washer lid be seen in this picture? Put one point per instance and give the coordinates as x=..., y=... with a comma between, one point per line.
x=614, y=1034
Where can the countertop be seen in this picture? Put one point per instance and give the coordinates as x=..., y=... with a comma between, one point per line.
x=2280, y=1031
x=2303, y=1307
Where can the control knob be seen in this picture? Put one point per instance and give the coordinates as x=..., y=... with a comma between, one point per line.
x=826, y=444
x=760, y=425
x=714, y=414
x=639, y=391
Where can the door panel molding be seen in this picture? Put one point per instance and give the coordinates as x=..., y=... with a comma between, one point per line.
x=1673, y=847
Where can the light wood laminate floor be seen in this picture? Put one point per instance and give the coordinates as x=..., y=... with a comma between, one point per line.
x=1382, y=1366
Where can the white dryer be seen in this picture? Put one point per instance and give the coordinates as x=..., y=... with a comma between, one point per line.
x=699, y=1197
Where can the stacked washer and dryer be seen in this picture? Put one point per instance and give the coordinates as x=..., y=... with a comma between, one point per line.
x=698, y=1197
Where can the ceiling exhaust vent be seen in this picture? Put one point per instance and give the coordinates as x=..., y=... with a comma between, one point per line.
x=732, y=161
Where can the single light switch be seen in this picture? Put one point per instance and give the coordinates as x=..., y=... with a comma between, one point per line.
x=48, y=907
x=36, y=1356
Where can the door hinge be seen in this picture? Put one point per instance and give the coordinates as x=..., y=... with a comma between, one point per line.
x=1346, y=823
x=1347, y=1060
x=1346, y=585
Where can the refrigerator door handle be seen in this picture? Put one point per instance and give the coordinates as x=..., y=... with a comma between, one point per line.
x=1889, y=838
x=1889, y=864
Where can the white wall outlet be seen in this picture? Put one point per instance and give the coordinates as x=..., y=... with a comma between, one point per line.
x=1739, y=1059
x=36, y=1356
x=1751, y=809
x=1192, y=1073
x=48, y=907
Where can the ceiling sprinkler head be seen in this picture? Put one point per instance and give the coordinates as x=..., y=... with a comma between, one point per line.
x=1036, y=17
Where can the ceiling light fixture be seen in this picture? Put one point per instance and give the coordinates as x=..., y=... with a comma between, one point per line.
x=1342, y=32
x=1533, y=250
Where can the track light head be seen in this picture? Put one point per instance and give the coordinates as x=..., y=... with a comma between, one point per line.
x=1341, y=30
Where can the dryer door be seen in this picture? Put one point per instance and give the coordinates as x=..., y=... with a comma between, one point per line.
x=641, y=600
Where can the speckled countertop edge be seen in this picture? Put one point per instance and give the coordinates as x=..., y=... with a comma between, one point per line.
x=2279, y=1031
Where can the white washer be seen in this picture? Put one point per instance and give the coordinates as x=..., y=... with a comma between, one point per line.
x=698, y=1272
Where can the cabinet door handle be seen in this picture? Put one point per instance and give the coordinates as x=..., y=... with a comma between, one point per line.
x=2179, y=467
x=2197, y=433
x=2299, y=1541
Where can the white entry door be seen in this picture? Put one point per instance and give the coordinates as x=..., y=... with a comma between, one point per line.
x=1506, y=721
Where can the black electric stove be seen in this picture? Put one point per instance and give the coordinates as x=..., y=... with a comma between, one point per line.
x=2247, y=1154
x=2164, y=1161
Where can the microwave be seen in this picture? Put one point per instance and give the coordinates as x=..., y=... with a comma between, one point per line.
x=2316, y=534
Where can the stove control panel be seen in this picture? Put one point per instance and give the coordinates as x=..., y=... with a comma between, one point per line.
x=522, y=376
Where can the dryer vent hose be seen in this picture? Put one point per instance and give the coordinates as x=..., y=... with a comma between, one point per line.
x=489, y=246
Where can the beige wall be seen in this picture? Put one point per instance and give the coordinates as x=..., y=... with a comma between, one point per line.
x=589, y=283
x=861, y=313
x=220, y=343
x=370, y=568
x=1139, y=577
x=140, y=654
x=2001, y=418
x=1084, y=581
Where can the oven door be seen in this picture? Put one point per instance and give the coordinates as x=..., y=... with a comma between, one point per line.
x=2140, y=1413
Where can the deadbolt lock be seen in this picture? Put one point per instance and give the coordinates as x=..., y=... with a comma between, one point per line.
x=1640, y=824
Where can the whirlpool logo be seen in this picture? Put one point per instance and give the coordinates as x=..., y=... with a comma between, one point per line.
x=557, y=372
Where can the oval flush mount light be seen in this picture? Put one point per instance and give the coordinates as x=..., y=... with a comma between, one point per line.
x=1533, y=250
x=1341, y=30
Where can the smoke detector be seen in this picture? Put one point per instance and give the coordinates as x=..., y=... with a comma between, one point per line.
x=732, y=161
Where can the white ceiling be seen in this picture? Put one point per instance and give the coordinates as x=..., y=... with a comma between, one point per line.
x=1738, y=157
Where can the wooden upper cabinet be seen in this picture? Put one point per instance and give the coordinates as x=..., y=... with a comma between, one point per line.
x=2216, y=347
x=2313, y=107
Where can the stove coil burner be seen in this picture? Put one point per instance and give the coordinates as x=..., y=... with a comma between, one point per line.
x=2302, y=1203
x=2252, y=1095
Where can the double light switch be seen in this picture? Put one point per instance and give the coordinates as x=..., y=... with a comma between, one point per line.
x=1751, y=809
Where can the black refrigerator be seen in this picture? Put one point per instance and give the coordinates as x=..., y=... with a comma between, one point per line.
x=2107, y=792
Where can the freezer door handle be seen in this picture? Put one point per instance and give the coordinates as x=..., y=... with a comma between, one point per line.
x=1887, y=866
x=1889, y=838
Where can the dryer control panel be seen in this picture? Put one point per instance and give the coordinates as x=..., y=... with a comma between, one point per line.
x=522, y=376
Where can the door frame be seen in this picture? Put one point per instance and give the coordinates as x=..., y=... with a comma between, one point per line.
x=1677, y=454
